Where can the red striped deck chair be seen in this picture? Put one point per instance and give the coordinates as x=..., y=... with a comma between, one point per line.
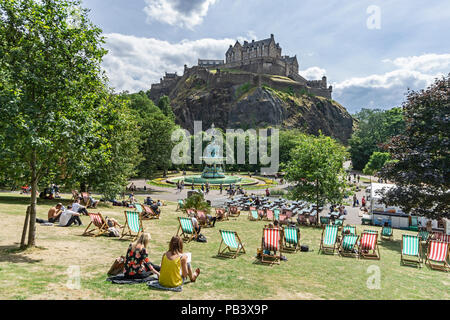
x=148, y=213
x=411, y=250
x=188, y=232
x=312, y=219
x=203, y=220
x=232, y=242
x=269, y=215
x=190, y=212
x=368, y=246
x=328, y=241
x=440, y=236
x=261, y=214
x=86, y=199
x=221, y=214
x=97, y=226
x=75, y=195
x=271, y=242
x=438, y=255
x=133, y=225
x=234, y=212
x=302, y=219
x=282, y=218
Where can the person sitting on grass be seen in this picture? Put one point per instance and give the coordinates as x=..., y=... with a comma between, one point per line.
x=77, y=207
x=175, y=267
x=137, y=263
x=69, y=217
x=54, y=213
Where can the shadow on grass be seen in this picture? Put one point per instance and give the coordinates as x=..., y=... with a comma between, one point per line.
x=393, y=245
x=14, y=254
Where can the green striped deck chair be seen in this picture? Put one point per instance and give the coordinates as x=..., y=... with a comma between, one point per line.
x=423, y=235
x=411, y=250
x=188, y=232
x=351, y=229
x=371, y=231
x=253, y=215
x=414, y=226
x=329, y=238
x=347, y=245
x=387, y=232
x=324, y=220
x=180, y=204
x=133, y=225
x=276, y=214
x=338, y=222
x=232, y=244
x=138, y=207
x=291, y=239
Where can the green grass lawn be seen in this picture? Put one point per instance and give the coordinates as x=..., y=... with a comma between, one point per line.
x=41, y=273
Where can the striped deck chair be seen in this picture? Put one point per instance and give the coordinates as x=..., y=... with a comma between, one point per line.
x=351, y=229
x=148, y=213
x=347, y=245
x=368, y=246
x=203, y=219
x=312, y=219
x=133, y=225
x=371, y=231
x=437, y=255
x=232, y=242
x=423, y=235
x=86, y=199
x=338, y=222
x=440, y=236
x=190, y=212
x=387, y=232
x=180, y=204
x=97, y=226
x=188, y=232
x=329, y=238
x=261, y=214
x=234, y=212
x=75, y=195
x=271, y=242
x=138, y=208
x=253, y=215
x=291, y=239
x=302, y=219
x=282, y=218
x=411, y=248
x=269, y=215
x=221, y=214
x=276, y=214
x=414, y=226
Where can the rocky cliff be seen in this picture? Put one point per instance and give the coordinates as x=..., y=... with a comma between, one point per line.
x=255, y=105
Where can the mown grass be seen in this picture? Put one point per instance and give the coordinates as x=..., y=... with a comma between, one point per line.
x=41, y=273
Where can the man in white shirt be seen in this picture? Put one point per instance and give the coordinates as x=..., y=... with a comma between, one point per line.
x=78, y=208
x=68, y=217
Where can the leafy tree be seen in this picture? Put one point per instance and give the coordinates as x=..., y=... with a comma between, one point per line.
x=50, y=87
x=166, y=108
x=317, y=171
x=197, y=201
x=420, y=170
x=288, y=141
x=376, y=162
x=375, y=127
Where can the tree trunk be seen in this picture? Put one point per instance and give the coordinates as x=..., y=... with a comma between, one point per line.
x=25, y=228
x=34, y=182
x=317, y=204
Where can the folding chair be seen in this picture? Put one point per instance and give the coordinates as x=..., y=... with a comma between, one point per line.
x=188, y=232
x=75, y=195
x=203, y=219
x=276, y=214
x=180, y=204
x=261, y=214
x=138, y=208
x=291, y=239
x=329, y=238
x=368, y=246
x=387, y=232
x=414, y=226
x=133, y=225
x=423, y=235
x=271, y=241
x=437, y=255
x=98, y=223
x=347, y=245
x=234, y=212
x=269, y=215
x=190, y=212
x=351, y=229
x=440, y=236
x=411, y=248
x=148, y=213
x=232, y=243
x=324, y=220
x=253, y=215
x=302, y=219
x=221, y=214
x=86, y=199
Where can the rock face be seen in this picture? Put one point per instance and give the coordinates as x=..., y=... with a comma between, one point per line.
x=249, y=105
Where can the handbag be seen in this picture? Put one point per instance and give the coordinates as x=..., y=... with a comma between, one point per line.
x=117, y=267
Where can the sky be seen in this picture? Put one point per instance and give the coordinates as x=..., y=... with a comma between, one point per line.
x=372, y=52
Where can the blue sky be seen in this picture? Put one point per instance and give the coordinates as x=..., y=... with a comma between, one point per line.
x=370, y=51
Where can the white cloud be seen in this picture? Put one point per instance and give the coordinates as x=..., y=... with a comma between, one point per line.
x=134, y=63
x=181, y=13
x=313, y=73
x=388, y=89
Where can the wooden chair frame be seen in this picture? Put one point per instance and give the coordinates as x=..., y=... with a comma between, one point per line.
x=409, y=261
x=127, y=232
x=268, y=258
x=325, y=248
x=373, y=253
x=96, y=230
x=290, y=247
x=348, y=252
x=231, y=251
x=185, y=236
x=438, y=265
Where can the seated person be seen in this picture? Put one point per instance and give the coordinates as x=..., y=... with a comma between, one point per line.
x=54, y=213
x=137, y=263
x=175, y=267
x=148, y=201
x=195, y=224
x=77, y=207
x=68, y=217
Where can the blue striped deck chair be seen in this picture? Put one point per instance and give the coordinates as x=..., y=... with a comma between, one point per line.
x=387, y=232
x=133, y=225
x=188, y=232
x=232, y=244
x=423, y=235
x=329, y=238
x=347, y=245
x=276, y=214
x=411, y=250
x=291, y=239
x=253, y=215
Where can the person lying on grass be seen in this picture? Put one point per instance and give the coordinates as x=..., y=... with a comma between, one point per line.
x=137, y=263
x=175, y=267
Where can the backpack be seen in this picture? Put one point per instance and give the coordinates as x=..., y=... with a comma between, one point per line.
x=201, y=238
